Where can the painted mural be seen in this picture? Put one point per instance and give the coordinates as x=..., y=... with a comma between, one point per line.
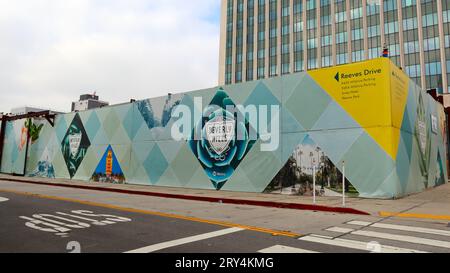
x=297, y=175
x=44, y=167
x=422, y=134
x=14, y=147
x=219, y=149
x=389, y=133
x=35, y=126
x=108, y=169
x=75, y=145
x=157, y=112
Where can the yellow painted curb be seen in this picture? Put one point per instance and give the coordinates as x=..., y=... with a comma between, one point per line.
x=155, y=213
x=415, y=215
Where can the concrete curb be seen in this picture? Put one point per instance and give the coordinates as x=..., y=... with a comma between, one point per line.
x=233, y=201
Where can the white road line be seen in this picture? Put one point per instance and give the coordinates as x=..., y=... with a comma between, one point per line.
x=359, y=223
x=2, y=199
x=156, y=247
x=402, y=228
x=321, y=236
x=355, y=244
x=340, y=230
x=400, y=238
x=278, y=249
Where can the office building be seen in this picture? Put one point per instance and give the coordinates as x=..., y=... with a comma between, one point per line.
x=88, y=102
x=267, y=38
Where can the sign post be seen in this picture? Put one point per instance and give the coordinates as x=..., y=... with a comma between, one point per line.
x=343, y=183
x=314, y=184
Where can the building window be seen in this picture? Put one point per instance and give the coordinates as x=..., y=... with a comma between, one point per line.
x=433, y=69
x=431, y=44
x=342, y=58
x=407, y=3
x=358, y=56
x=326, y=61
x=413, y=70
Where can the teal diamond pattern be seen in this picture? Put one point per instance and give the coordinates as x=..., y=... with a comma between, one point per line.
x=308, y=102
x=60, y=127
x=334, y=115
x=132, y=122
x=111, y=124
x=92, y=126
x=262, y=96
x=155, y=164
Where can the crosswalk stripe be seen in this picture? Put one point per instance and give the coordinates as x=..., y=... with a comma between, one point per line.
x=156, y=247
x=321, y=236
x=359, y=223
x=402, y=228
x=285, y=249
x=355, y=244
x=340, y=230
x=401, y=238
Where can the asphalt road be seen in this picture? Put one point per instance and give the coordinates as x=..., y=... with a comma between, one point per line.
x=35, y=223
x=92, y=229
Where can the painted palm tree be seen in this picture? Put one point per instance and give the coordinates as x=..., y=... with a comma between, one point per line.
x=33, y=129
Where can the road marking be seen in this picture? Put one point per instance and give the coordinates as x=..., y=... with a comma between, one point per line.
x=278, y=249
x=355, y=244
x=321, y=236
x=340, y=230
x=402, y=228
x=161, y=214
x=415, y=215
x=360, y=223
x=169, y=244
x=400, y=238
x=2, y=199
x=62, y=225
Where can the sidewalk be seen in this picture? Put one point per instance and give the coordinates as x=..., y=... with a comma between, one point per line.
x=432, y=202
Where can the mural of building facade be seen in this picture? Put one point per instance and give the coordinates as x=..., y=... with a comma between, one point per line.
x=307, y=162
x=109, y=170
x=390, y=135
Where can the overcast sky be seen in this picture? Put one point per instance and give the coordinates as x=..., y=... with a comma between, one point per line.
x=51, y=51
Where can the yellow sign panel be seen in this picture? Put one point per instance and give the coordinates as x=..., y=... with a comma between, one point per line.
x=364, y=91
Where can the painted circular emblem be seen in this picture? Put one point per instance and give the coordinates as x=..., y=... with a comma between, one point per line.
x=221, y=140
x=219, y=133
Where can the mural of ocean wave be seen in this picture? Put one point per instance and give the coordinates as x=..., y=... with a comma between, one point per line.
x=158, y=112
x=43, y=169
